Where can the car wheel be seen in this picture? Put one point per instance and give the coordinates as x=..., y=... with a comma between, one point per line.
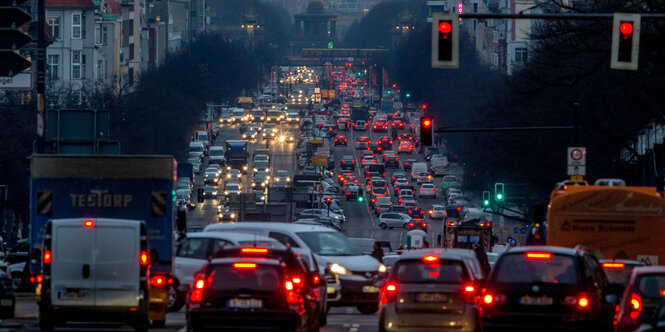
x=368, y=309
x=383, y=225
x=176, y=299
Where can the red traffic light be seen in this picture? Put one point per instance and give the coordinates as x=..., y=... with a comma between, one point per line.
x=626, y=28
x=445, y=27
x=427, y=122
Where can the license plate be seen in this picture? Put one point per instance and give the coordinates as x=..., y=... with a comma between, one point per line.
x=330, y=289
x=370, y=289
x=543, y=300
x=6, y=302
x=245, y=303
x=431, y=297
x=75, y=295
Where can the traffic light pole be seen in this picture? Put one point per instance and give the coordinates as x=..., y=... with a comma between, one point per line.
x=592, y=16
x=41, y=67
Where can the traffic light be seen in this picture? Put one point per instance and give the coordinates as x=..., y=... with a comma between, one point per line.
x=426, y=124
x=498, y=192
x=625, y=41
x=361, y=195
x=445, y=40
x=486, y=198
x=12, y=38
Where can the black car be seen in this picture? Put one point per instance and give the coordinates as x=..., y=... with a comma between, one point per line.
x=340, y=140
x=408, y=164
x=255, y=288
x=7, y=299
x=347, y=162
x=543, y=287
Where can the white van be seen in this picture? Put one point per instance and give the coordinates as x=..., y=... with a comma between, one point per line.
x=418, y=168
x=197, y=147
x=216, y=154
x=94, y=270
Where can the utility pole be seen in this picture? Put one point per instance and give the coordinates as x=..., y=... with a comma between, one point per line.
x=41, y=67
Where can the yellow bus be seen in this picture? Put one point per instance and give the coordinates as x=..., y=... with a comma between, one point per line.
x=609, y=218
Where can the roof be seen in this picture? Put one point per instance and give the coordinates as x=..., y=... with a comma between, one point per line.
x=236, y=236
x=648, y=269
x=268, y=225
x=70, y=3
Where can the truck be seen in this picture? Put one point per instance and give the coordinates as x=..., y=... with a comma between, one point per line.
x=117, y=187
x=236, y=155
x=463, y=234
x=186, y=170
x=609, y=218
x=245, y=102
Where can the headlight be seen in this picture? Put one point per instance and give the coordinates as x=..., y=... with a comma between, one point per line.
x=382, y=268
x=256, y=170
x=244, y=168
x=214, y=193
x=263, y=184
x=228, y=168
x=336, y=268
x=288, y=179
x=276, y=179
x=233, y=215
x=226, y=192
x=228, y=176
x=252, y=184
x=221, y=215
x=282, y=138
x=267, y=176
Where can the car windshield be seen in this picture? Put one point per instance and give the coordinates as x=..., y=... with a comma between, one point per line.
x=527, y=268
x=232, y=186
x=261, y=278
x=439, y=271
x=216, y=152
x=329, y=244
x=651, y=286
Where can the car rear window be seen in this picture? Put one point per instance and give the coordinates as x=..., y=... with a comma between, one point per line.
x=444, y=272
x=260, y=278
x=537, y=267
x=619, y=272
x=651, y=286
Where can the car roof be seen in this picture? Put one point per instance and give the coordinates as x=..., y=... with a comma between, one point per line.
x=268, y=226
x=648, y=269
x=237, y=236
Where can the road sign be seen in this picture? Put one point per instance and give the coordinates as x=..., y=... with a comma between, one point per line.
x=319, y=161
x=577, y=156
x=21, y=80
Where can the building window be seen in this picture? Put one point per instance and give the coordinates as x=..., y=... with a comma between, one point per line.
x=520, y=54
x=77, y=65
x=131, y=51
x=495, y=59
x=54, y=26
x=76, y=25
x=100, y=70
x=475, y=9
x=52, y=66
x=105, y=35
x=98, y=34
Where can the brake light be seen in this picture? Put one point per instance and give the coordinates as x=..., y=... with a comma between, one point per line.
x=411, y=224
x=583, y=302
x=88, y=223
x=144, y=258
x=635, y=305
x=424, y=224
x=296, y=280
x=316, y=280
x=254, y=250
x=538, y=255
x=47, y=257
x=197, y=293
x=469, y=288
x=431, y=211
x=609, y=265
x=158, y=281
x=244, y=266
x=389, y=293
x=489, y=299
x=430, y=258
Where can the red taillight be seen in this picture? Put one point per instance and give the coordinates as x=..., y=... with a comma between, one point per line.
x=248, y=266
x=612, y=265
x=538, y=255
x=88, y=223
x=47, y=257
x=635, y=306
x=411, y=224
x=491, y=299
x=431, y=211
x=316, y=280
x=197, y=293
x=424, y=224
x=254, y=250
x=581, y=301
x=430, y=258
x=469, y=289
x=389, y=293
x=37, y=279
x=144, y=258
x=158, y=281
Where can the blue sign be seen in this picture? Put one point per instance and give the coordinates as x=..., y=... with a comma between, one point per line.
x=516, y=230
x=513, y=242
x=523, y=230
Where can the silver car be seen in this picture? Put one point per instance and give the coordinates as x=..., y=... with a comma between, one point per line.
x=394, y=219
x=429, y=290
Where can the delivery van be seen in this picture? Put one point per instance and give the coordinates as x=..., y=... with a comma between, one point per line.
x=94, y=270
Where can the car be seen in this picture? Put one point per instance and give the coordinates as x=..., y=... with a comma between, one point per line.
x=281, y=178
x=397, y=124
x=437, y=212
x=192, y=254
x=211, y=178
x=642, y=298
x=382, y=207
x=209, y=192
x=261, y=165
x=375, y=146
x=405, y=194
x=261, y=180
x=423, y=177
x=340, y=140
x=428, y=289
x=427, y=190
x=352, y=193
x=413, y=209
x=231, y=189
x=547, y=287
x=379, y=126
x=408, y=164
x=449, y=181
x=398, y=208
x=398, y=175
x=417, y=223
x=386, y=143
x=350, y=274
x=361, y=125
x=362, y=142
x=347, y=162
x=325, y=213
x=394, y=220
x=234, y=174
x=243, y=292
x=618, y=271
x=368, y=160
x=404, y=137
x=390, y=159
x=399, y=184
x=214, y=167
x=310, y=169
x=224, y=213
x=405, y=147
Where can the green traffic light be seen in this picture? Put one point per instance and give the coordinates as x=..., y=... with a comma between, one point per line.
x=408, y=95
x=360, y=198
x=388, y=91
x=499, y=197
x=486, y=202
